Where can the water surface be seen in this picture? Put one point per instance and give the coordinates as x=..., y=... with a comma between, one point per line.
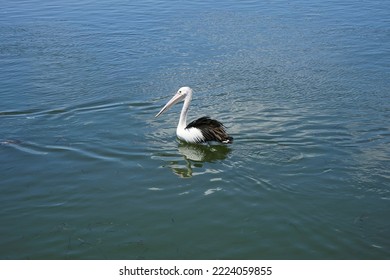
x=87, y=172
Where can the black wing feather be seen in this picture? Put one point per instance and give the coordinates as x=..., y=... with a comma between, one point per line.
x=212, y=130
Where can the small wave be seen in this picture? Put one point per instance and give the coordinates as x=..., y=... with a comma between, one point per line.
x=94, y=106
x=26, y=147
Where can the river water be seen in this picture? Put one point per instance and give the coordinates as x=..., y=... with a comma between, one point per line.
x=87, y=172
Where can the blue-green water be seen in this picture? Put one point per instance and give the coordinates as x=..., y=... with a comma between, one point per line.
x=87, y=172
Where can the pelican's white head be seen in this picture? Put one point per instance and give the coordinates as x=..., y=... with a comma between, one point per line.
x=181, y=94
x=184, y=91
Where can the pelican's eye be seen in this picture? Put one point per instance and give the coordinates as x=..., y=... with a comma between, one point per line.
x=180, y=91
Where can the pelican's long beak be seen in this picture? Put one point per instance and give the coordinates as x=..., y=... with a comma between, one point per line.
x=176, y=98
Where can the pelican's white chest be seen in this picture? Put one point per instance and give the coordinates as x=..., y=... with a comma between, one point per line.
x=190, y=135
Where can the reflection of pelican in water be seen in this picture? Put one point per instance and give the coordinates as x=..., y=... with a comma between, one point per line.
x=195, y=155
x=203, y=153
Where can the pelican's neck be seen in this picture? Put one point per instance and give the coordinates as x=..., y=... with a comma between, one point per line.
x=184, y=111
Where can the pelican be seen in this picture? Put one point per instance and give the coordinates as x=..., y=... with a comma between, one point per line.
x=201, y=130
